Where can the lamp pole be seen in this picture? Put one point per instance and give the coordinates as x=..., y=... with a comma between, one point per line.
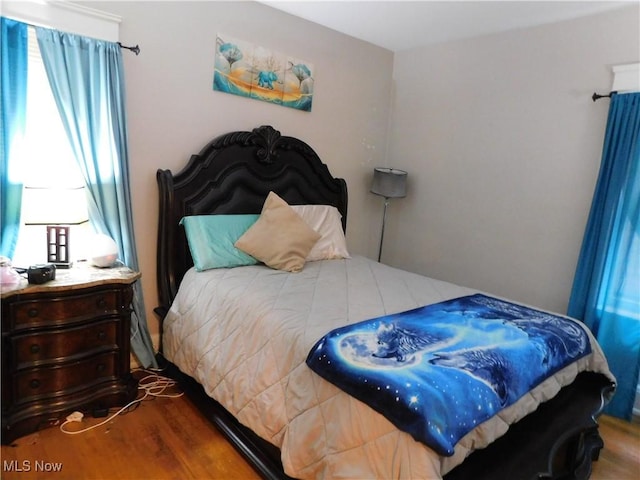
x=384, y=219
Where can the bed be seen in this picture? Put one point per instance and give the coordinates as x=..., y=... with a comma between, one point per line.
x=240, y=338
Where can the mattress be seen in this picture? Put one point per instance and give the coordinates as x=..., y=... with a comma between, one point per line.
x=244, y=333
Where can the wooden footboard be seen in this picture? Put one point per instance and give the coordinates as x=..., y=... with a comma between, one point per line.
x=560, y=440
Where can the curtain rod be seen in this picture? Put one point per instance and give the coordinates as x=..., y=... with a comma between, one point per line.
x=597, y=96
x=135, y=49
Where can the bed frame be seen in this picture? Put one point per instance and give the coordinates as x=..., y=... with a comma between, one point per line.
x=233, y=174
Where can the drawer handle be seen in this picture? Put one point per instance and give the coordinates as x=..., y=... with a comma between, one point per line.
x=102, y=335
x=34, y=384
x=101, y=303
x=35, y=348
x=33, y=312
x=100, y=367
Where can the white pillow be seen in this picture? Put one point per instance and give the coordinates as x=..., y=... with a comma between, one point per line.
x=326, y=220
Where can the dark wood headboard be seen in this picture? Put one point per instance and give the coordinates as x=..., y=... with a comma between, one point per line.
x=234, y=173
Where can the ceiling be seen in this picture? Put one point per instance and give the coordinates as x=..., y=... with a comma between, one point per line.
x=402, y=24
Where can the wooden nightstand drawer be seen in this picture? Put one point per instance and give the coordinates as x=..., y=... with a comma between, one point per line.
x=41, y=348
x=64, y=309
x=45, y=381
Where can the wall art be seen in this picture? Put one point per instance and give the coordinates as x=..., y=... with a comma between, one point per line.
x=248, y=70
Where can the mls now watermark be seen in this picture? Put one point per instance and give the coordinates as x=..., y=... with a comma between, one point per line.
x=29, y=466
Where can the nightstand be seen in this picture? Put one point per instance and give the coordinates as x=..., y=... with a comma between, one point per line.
x=66, y=347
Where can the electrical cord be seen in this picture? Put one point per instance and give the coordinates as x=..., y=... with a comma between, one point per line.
x=153, y=385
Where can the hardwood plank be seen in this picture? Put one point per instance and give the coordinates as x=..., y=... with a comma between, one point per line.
x=168, y=438
x=162, y=438
x=620, y=458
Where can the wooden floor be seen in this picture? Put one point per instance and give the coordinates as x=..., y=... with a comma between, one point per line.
x=169, y=439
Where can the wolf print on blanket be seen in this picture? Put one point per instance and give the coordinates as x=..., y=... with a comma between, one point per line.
x=439, y=371
x=485, y=365
x=400, y=343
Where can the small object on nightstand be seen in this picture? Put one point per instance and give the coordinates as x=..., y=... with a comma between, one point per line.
x=39, y=274
x=8, y=274
x=104, y=251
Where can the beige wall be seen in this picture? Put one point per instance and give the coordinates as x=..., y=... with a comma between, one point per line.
x=173, y=111
x=502, y=143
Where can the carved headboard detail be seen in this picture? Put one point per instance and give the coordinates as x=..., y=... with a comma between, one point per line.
x=234, y=173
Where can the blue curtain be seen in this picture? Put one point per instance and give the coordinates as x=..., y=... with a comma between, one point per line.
x=13, y=105
x=87, y=80
x=606, y=289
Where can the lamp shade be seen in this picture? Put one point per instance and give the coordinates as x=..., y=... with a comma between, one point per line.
x=389, y=182
x=54, y=206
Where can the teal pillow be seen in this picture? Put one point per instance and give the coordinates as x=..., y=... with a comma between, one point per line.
x=211, y=239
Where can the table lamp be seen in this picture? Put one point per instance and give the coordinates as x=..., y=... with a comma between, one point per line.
x=58, y=208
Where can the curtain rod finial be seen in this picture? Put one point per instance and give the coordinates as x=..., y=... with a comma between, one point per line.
x=135, y=49
x=597, y=96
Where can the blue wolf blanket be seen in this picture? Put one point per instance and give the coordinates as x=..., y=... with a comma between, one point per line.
x=439, y=371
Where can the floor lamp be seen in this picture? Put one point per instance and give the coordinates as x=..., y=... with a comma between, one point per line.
x=388, y=183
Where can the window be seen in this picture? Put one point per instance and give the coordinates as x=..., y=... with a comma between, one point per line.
x=628, y=293
x=48, y=161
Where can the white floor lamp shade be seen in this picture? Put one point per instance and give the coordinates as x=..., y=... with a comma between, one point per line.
x=388, y=183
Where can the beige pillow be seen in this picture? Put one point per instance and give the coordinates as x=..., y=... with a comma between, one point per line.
x=279, y=238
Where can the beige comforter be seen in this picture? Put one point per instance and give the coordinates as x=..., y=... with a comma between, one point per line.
x=244, y=334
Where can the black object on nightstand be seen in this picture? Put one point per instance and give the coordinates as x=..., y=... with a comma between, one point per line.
x=65, y=347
